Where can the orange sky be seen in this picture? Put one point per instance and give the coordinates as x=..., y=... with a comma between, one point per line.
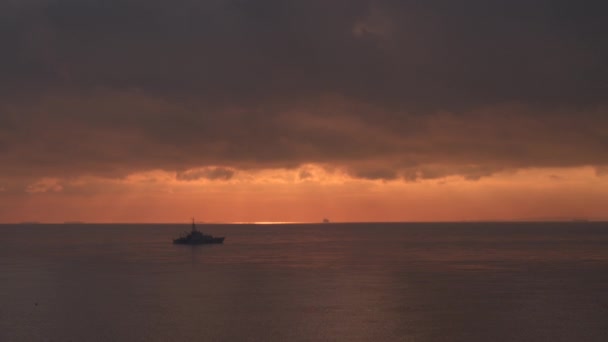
x=282, y=195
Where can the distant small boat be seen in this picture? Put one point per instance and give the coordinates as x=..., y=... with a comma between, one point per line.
x=197, y=238
x=325, y=220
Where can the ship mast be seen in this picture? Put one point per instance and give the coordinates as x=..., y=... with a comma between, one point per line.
x=193, y=226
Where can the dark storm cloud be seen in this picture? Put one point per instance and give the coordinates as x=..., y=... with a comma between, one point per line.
x=423, y=89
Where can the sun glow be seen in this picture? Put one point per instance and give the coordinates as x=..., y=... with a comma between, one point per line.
x=276, y=222
x=308, y=194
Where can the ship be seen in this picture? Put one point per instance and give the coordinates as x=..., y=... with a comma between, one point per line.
x=196, y=237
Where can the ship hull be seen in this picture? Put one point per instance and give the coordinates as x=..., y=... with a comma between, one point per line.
x=210, y=241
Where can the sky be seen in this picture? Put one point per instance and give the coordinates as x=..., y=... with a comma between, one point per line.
x=295, y=111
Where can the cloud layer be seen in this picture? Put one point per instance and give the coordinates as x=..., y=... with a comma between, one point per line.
x=382, y=89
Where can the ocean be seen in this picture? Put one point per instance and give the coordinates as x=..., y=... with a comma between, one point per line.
x=306, y=282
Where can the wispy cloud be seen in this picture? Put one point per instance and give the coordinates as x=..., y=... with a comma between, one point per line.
x=210, y=173
x=45, y=185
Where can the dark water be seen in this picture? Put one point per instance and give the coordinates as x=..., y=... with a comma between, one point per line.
x=336, y=282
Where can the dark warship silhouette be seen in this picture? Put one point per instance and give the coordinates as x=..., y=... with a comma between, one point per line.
x=197, y=238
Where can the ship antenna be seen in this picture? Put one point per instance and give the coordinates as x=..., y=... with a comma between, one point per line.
x=193, y=226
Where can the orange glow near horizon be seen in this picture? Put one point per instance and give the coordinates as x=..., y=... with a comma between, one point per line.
x=309, y=194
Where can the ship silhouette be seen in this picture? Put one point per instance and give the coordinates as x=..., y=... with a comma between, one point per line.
x=196, y=237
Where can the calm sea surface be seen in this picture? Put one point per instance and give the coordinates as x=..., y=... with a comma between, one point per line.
x=325, y=282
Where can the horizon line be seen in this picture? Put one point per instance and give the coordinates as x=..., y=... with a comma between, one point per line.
x=532, y=220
